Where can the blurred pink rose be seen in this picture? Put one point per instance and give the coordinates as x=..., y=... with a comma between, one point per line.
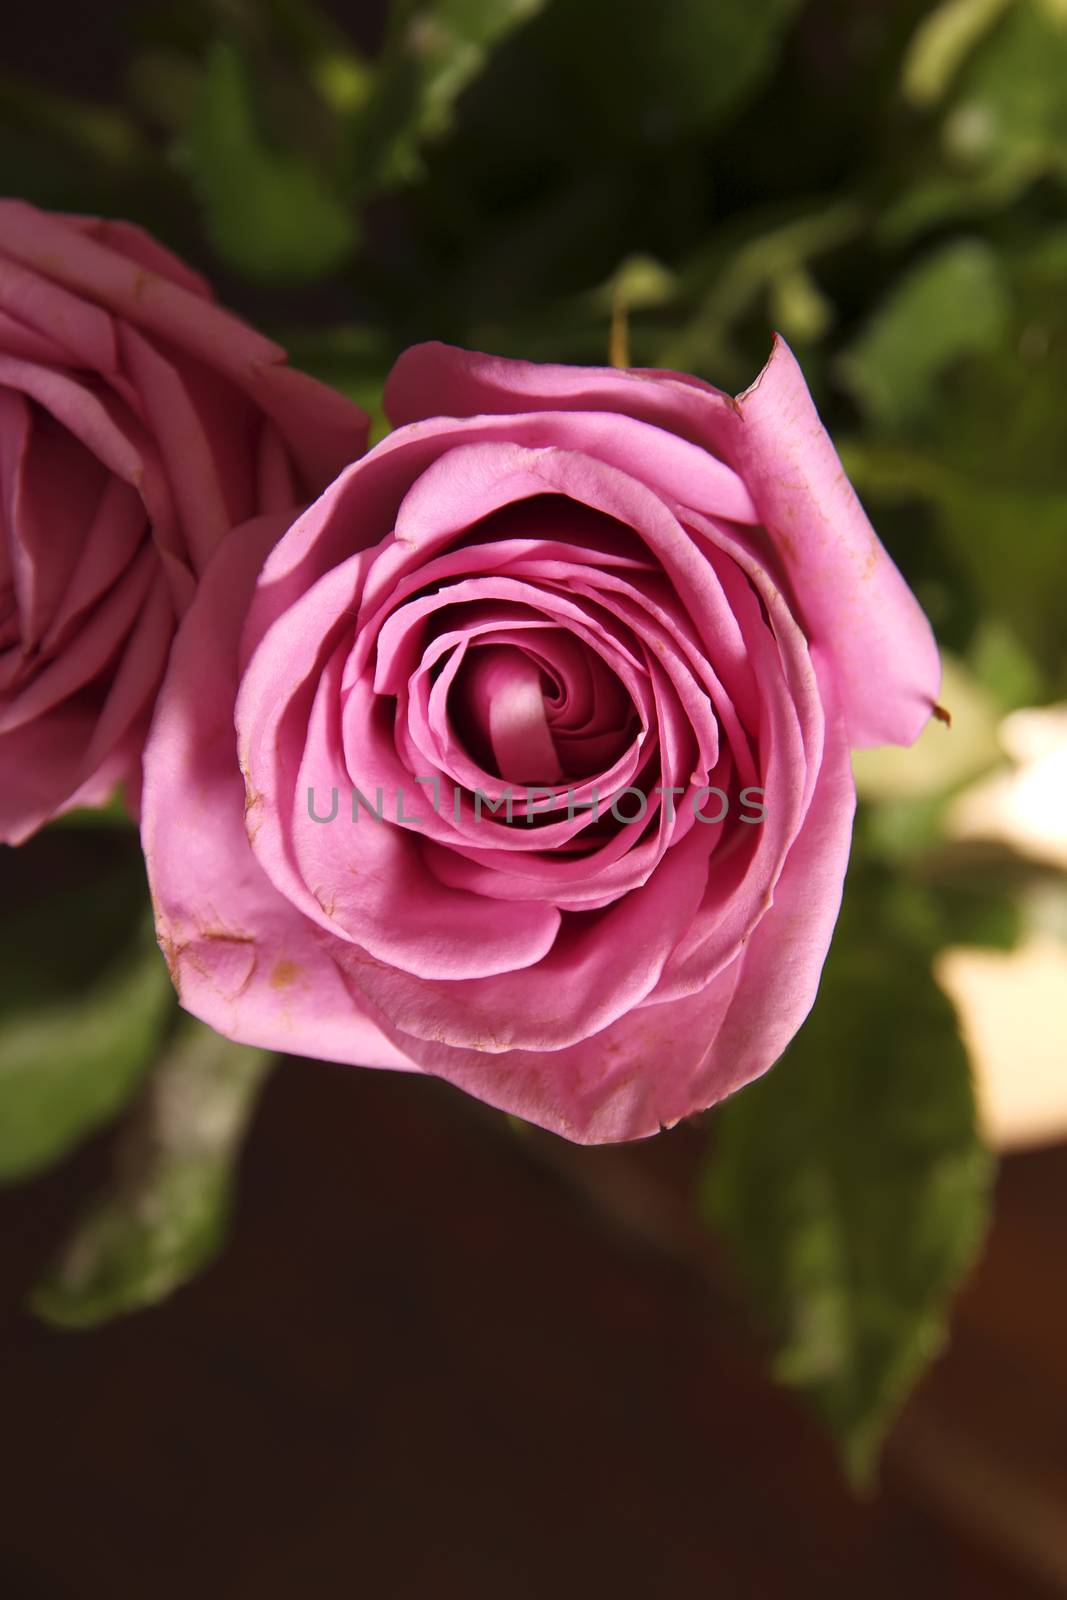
x=139, y=424
x=617, y=588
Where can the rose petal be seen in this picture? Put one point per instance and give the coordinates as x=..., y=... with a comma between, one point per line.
x=243, y=958
x=325, y=431
x=855, y=602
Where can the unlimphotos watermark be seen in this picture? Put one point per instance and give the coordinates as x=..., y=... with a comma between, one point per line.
x=710, y=805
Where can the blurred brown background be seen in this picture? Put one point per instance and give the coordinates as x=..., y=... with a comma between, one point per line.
x=440, y=1358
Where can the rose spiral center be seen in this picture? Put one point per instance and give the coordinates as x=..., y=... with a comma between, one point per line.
x=543, y=712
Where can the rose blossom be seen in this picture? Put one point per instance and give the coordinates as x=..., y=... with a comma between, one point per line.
x=139, y=423
x=545, y=576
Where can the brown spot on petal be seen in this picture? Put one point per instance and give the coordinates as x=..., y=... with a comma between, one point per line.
x=172, y=954
x=328, y=905
x=283, y=974
x=230, y=978
x=943, y=715
x=226, y=935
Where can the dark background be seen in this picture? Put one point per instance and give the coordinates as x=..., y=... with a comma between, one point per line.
x=441, y=1359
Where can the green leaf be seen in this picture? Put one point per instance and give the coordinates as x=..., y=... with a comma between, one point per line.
x=1003, y=666
x=850, y=1181
x=645, y=79
x=84, y=993
x=434, y=48
x=953, y=304
x=997, y=71
x=272, y=214
x=767, y=258
x=1009, y=536
x=309, y=34
x=1009, y=111
x=164, y=1214
x=68, y=1068
x=941, y=44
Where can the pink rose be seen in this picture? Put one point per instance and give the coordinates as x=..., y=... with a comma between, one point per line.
x=615, y=588
x=139, y=424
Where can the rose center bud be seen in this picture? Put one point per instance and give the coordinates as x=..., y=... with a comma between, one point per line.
x=541, y=713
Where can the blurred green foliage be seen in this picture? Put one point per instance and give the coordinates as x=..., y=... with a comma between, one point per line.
x=851, y=1183
x=83, y=1000
x=882, y=181
x=272, y=214
x=163, y=1214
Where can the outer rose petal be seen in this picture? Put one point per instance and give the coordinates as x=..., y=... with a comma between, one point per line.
x=317, y=422
x=439, y=380
x=242, y=958
x=44, y=758
x=854, y=601
x=138, y=414
x=783, y=961
x=130, y=240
